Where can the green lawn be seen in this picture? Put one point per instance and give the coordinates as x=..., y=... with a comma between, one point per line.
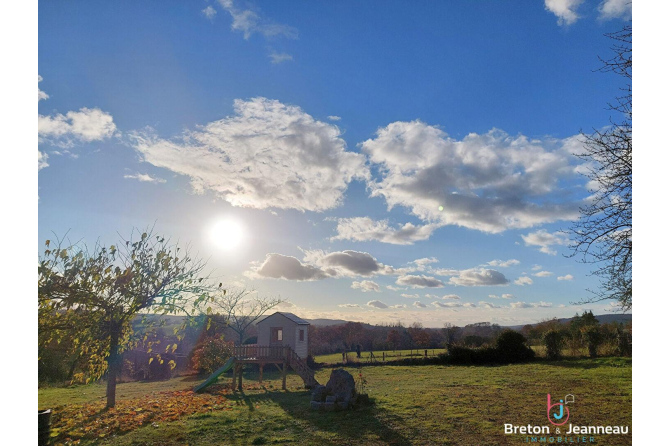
x=420, y=405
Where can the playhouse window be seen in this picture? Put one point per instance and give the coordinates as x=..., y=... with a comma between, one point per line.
x=277, y=334
x=302, y=335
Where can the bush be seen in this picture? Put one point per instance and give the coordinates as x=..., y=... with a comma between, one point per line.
x=593, y=337
x=211, y=354
x=511, y=347
x=553, y=341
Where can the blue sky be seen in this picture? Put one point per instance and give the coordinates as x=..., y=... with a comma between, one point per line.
x=382, y=161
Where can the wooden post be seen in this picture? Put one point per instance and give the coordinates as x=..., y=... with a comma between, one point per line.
x=260, y=372
x=240, y=377
x=232, y=386
x=283, y=375
x=383, y=356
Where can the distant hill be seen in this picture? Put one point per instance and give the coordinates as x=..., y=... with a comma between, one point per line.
x=603, y=319
x=173, y=321
x=326, y=322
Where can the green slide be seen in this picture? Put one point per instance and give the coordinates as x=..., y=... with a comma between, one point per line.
x=214, y=376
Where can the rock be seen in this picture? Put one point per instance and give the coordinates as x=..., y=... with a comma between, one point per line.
x=342, y=385
x=319, y=393
x=338, y=394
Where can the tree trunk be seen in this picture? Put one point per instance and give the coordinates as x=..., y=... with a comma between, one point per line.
x=112, y=368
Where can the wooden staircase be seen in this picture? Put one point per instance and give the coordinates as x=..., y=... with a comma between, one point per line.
x=302, y=369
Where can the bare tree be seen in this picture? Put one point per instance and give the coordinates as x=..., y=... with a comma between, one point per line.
x=241, y=308
x=603, y=235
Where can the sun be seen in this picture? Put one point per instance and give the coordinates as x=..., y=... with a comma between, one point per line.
x=227, y=234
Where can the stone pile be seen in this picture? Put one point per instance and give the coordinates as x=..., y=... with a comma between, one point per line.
x=338, y=394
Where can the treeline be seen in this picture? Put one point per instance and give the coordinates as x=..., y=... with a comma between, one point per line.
x=396, y=336
x=582, y=335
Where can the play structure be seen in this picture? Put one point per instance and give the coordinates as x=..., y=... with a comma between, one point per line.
x=282, y=341
x=282, y=357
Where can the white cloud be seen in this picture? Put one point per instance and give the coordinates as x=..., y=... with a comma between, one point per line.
x=209, y=12
x=503, y=263
x=489, y=182
x=42, y=160
x=410, y=296
x=398, y=306
x=488, y=305
x=425, y=261
x=249, y=22
x=334, y=118
x=507, y=296
x=394, y=288
x=85, y=125
x=540, y=304
x=421, y=281
x=347, y=263
x=366, y=286
x=616, y=9
x=451, y=296
x=545, y=240
x=479, y=277
x=364, y=228
x=536, y=267
x=318, y=264
x=377, y=304
x=40, y=94
x=279, y=266
x=144, y=177
x=446, y=305
x=349, y=306
x=565, y=10
x=566, y=277
x=419, y=304
x=445, y=272
x=524, y=280
x=269, y=155
x=543, y=274
x=439, y=304
x=277, y=58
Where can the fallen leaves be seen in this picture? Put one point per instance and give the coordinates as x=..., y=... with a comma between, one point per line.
x=73, y=423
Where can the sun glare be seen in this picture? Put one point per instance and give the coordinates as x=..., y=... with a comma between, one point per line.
x=227, y=234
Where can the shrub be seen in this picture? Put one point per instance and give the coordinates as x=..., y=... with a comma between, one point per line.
x=553, y=341
x=211, y=354
x=593, y=337
x=511, y=347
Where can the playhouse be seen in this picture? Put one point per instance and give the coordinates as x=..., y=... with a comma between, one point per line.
x=284, y=330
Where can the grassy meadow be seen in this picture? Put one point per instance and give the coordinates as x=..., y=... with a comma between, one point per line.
x=412, y=405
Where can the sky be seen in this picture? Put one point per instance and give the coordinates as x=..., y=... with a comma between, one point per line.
x=375, y=161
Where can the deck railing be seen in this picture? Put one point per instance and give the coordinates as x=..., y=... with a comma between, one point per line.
x=262, y=352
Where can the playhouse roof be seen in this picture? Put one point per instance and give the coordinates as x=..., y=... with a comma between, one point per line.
x=290, y=316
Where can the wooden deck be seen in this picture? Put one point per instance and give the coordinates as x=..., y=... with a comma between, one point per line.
x=281, y=356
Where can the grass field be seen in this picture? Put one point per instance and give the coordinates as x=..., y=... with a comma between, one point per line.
x=413, y=405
